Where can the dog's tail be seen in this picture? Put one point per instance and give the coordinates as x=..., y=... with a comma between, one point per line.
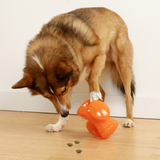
x=117, y=80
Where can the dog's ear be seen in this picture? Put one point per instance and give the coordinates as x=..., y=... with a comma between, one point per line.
x=63, y=72
x=26, y=81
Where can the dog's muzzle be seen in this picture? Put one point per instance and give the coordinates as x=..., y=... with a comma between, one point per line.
x=65, y=114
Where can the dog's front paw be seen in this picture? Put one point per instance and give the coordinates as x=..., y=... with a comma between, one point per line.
x=95, y=96
x=53, y=128
x=58, y=126
x=128, y=123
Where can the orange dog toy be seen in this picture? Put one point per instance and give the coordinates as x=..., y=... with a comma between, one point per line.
x=97, y=113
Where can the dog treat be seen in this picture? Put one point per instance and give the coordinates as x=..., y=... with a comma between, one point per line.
x=78, y=150
x=70, y=144
x=76, y=142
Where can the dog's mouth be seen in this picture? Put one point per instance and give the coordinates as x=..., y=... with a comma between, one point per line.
x=63, y=109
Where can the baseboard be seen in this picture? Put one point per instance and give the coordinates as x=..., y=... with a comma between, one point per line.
x=144, y=107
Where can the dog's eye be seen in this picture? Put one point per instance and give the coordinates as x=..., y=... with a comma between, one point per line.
x=63, y=91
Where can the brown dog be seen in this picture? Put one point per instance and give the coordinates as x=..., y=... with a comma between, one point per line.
x=84, y=40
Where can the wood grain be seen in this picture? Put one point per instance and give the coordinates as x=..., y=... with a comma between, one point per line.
x=22, y=136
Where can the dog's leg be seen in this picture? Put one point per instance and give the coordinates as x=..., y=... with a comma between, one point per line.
x=102, y=92
x=124, y=67
x=129, y=121
x=126, y=76
x=58, y=126
x=95, y=73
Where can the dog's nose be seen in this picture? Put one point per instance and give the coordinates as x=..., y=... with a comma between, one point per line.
x=65, y=114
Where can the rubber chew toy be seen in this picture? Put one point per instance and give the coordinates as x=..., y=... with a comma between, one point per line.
x=97, y=113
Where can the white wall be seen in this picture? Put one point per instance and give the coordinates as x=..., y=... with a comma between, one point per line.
x=21, y=20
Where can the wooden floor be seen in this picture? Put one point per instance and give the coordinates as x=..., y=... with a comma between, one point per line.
x=22, y=137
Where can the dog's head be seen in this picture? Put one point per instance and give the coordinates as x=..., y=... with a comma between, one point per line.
x=50, y=72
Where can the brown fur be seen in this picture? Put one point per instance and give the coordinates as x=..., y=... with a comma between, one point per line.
x=87, y=38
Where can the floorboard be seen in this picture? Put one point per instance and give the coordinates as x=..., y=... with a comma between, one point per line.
x=22, y=136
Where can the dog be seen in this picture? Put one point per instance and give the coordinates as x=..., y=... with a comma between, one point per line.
x=84, y=40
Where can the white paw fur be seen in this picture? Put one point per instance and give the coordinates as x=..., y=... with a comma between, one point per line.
x=95, y=96
x=58, y=126
x=128, y=123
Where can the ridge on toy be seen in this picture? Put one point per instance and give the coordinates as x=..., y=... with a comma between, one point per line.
x=97, y=113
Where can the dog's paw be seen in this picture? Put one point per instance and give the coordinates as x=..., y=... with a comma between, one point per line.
x=95, y=96
x=128, y=123
x=58, y=126
x=53, y=128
